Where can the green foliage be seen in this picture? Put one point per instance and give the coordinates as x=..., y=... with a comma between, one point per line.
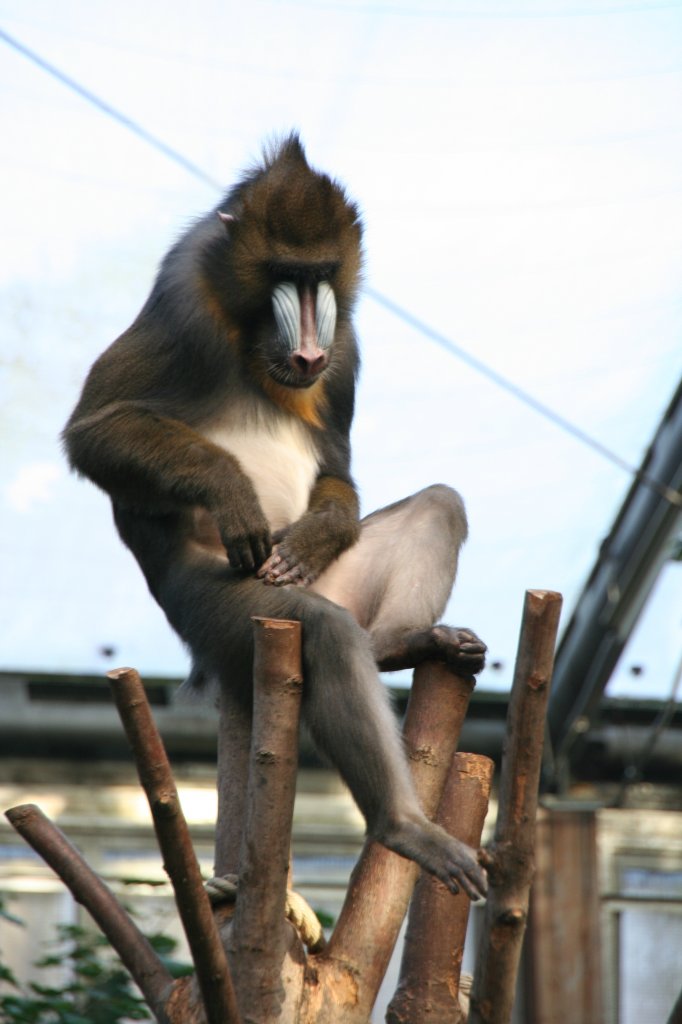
x=99, y=989
x=326, y=919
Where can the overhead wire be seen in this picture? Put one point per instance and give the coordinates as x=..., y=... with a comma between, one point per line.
x=106, y=108
x=667, y=493
x=674, y=497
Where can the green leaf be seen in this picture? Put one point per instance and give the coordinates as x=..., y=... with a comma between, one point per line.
x=7, y=975
x=12, y=918
x=46, y=991
x=326, y=920
x=49, y=961
x=162, y=944
x=90, y=970
x=177, y=968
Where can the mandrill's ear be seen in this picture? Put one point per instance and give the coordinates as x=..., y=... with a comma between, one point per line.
x=227, y=219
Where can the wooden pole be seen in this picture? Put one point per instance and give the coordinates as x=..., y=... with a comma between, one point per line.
x=563, y=926
x=510, y=858
x=174, y=840
x=349, y=973
x=261, y=935
x=234, y=746
x=88, y=889
x=428, y=990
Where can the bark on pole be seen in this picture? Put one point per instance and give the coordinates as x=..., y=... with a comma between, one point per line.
x=234, y=746
x=563, y=941
x=269, y=982
x=350, y=971
x=428, y=990
x=510, y=858
x=210, y=961
x=88, y=889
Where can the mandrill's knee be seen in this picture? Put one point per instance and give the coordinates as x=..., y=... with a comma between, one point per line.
x=336, y=650
x=445, y=504
x=330, y=632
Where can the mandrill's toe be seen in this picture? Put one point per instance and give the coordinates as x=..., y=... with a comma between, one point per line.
x=461, y=649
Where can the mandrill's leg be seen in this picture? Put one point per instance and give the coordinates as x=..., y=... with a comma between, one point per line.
x=344, y=703
x=350, y=719
x=397, y=579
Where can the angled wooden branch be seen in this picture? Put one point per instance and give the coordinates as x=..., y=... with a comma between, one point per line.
x=510, y=858
x=261, y=935
x=428, y=990
x=88, y=889
x=350, y=971
x=180, y=861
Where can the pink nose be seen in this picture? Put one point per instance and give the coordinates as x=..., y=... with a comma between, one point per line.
x=308, y=364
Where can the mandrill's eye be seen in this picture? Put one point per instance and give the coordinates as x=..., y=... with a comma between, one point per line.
x=325, y=314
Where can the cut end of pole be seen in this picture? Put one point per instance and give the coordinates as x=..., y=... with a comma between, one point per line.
x=543, y=606
x=115, y=674
x=544, y=596
x=22, y=813
x=283, y=624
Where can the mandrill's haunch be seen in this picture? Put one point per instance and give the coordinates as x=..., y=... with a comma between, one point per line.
x=219, y=425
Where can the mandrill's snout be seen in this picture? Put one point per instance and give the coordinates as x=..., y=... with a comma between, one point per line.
x=306, y=320
x=308, y=363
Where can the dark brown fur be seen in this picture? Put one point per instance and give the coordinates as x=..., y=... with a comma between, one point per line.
x=227, y=459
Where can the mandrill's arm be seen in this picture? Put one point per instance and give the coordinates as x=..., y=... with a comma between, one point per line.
x=328, y=527
x=157, y=464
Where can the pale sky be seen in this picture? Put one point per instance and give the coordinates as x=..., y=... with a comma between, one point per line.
x=519, y=169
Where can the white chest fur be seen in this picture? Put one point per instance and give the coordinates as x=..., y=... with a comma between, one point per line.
x=279, y=458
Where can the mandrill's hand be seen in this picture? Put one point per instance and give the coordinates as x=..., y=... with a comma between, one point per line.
x=304, y=550
x=248, y=551
x=282, y=567
x=246, y=538
x=299, y=554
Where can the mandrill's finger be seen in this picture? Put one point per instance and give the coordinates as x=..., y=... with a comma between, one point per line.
x=472, y=646
x=270, y=563
x=480, y=876
x=286, y=575
x=473, y=891
x=239, y=555
x=260, y=550
x=282, y=573
x=485, y=857
x=471, y=876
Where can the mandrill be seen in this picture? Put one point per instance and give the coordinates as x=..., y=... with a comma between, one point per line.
x=219, y=425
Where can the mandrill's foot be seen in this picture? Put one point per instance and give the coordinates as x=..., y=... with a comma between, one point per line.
x=452, y=862
x=460, y=649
